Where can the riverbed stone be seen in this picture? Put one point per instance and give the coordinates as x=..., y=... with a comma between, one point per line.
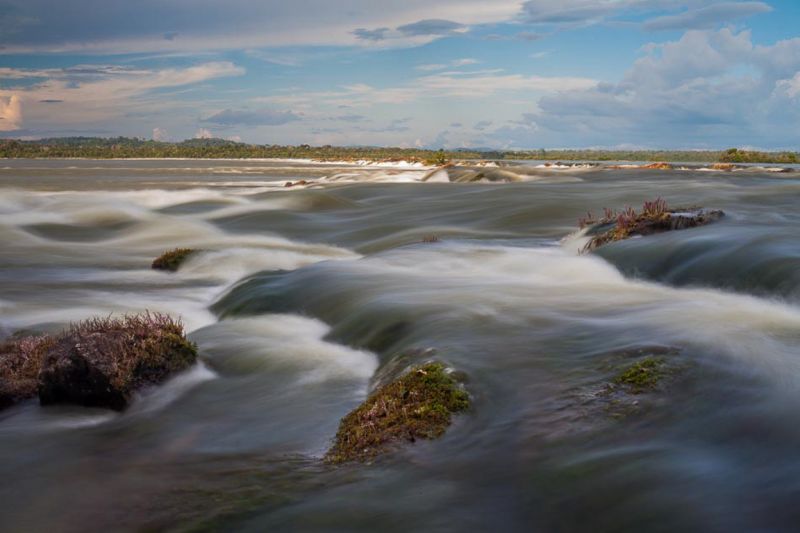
x=418, y=405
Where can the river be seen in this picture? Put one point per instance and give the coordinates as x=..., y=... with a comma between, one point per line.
x=303, y=298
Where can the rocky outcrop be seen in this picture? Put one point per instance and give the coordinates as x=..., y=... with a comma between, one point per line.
x=97, y=363
x=418, y=405
x=101, y=362
x=655, y=217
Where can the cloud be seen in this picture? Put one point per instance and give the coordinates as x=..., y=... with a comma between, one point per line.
x=707, y=17
x=10, y=113
x=456, y=63
x=697, y=14
x=706, y=89
x=203, y=133
x=431, y=27
x=120, y=27
x=92, y=96
x=160, y=134
x=378, y=34
x=257, y=117
x=482, y=125
x=350, y=118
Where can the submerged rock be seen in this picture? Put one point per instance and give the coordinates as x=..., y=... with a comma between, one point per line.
x=101, y=362
x=173, y=259
x=655, y=217
x=418, y=405
x=20, y=361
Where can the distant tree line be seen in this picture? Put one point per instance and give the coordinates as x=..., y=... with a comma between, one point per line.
x=126, y=147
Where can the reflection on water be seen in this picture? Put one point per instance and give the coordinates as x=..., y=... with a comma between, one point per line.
x=303, y=298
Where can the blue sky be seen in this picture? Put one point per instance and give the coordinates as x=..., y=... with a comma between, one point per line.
x=448, y=73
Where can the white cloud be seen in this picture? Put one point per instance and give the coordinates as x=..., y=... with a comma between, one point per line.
x=456, y=63
x=95, y=94
x=707, y=89
x=203, y=133
x=160, y=134
x=10, y=113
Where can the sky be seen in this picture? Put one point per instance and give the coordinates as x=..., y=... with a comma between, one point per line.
x=501, y=74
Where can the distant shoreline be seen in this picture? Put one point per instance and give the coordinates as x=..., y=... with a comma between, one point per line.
x=123, y=148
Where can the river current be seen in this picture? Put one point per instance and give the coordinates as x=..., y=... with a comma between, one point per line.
x=303, y=299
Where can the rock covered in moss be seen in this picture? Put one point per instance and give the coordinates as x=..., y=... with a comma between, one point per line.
x=100, y=362
x=418, y=405
x=20, y=361
x=655, y=217
x=173, y=259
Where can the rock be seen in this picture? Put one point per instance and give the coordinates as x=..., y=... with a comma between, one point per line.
x=723, y=166
x=418, y=405
x=101, y=362
x=300, y=182
x=20, y=361
x=657, y=166
x=655, y=217
x=172, y=260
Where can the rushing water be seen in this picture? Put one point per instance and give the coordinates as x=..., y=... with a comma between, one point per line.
x=305, y=298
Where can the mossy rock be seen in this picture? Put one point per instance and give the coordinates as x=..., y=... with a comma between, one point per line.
x=418, y=405
x=641, y=384
x=173, y=259
x=644, y=375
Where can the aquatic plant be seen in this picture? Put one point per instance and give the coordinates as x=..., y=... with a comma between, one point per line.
x=173, y=259
x=418, y=405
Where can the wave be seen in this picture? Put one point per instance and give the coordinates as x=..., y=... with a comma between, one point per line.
x=401, y=298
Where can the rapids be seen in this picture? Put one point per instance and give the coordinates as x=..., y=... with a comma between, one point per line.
x=304, y=298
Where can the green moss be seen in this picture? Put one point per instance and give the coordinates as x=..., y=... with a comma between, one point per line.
x=643, y=376
x=418, y=405
x=173, y=259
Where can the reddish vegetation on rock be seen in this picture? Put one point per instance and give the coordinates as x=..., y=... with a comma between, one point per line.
x=97, y=363
x=20, y=361
x=655, y=217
